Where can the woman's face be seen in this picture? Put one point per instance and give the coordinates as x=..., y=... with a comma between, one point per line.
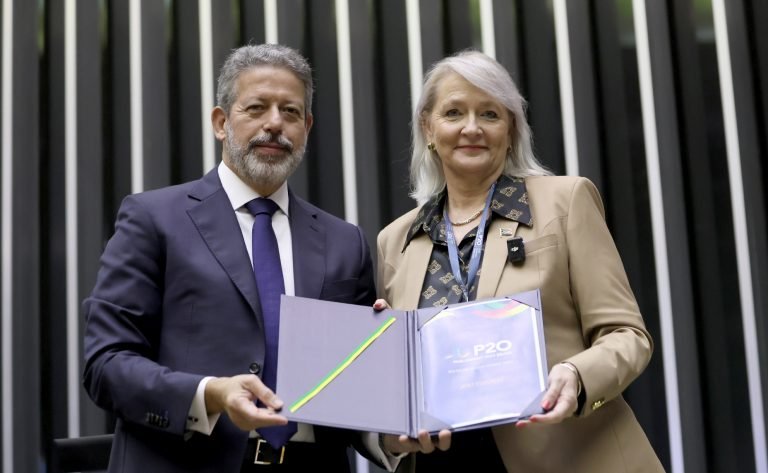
x=470, y=130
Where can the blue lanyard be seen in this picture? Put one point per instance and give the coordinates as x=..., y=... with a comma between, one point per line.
x=477, y=248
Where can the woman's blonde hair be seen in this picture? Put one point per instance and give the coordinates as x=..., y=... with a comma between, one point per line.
x=427, y=178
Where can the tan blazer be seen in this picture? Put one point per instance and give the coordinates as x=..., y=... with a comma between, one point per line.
x=590, y=315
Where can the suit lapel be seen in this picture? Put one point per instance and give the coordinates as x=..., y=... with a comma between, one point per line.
x=415, y=262
x=216, y=221
x=511, y=202
x=494, y=256
x=308, y=240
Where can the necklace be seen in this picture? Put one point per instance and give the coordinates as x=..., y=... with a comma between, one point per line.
x=468, y=219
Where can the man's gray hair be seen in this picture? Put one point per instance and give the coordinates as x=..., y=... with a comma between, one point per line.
x=274, y=55
x=427, y=178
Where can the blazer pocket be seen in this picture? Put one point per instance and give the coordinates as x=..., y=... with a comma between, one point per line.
x=547, y=241
x=340, y=291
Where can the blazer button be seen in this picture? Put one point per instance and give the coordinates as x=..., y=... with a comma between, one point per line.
x=254, y=368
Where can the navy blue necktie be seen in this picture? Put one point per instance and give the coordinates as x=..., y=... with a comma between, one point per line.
x=269, y=281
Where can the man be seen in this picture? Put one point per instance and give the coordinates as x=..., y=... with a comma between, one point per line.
x=180, y=337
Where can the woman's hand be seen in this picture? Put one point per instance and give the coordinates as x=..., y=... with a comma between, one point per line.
x=424, y=443
x=381, y=304
x=560, y=400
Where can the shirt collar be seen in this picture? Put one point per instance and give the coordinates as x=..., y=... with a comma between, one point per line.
x=240, y=193
x=509, y=201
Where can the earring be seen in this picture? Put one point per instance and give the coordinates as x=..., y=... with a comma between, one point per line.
x=431, y=146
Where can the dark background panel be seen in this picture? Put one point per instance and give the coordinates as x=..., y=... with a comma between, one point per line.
x=225, y=37
x=293, y=27
x=434, y=31
x=394, y=106
x=323, y=159
x=90, y=172
x=753, y=170
x=226, y=33
x=185, y=94
x=294, y=30
x=625, y=195
x=252, y=29
x=582, y=53
x=370, y=163
x=677, y=236
x=155, y=20
x=539, y=69
x=712, y=252
x=26, y=234
x=756, y=15
x=117, y=103
x=507, y=31
x=461, y=21
x=53, y=367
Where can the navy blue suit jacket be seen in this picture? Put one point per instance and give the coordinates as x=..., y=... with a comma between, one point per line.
x=175, y=300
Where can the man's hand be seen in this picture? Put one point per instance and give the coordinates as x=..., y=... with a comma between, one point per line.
x=424, y=443
x=561, y=399
x=236, y=397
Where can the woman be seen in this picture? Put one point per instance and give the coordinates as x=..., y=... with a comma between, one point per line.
x=474, y=176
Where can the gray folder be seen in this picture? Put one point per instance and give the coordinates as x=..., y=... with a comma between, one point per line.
x=422, y=370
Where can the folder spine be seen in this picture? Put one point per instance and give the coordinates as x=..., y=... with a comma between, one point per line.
x=412, y=421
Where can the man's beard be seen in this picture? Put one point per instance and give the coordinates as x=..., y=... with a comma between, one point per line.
x=266, y=170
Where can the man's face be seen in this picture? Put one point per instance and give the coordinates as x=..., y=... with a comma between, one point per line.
x=266, y=131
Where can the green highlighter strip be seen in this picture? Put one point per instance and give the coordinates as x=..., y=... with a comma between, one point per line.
x=342, y=366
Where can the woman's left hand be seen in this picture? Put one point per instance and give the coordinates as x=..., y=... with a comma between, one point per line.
x=381, y=304
x=424, y=443
x=561, y=399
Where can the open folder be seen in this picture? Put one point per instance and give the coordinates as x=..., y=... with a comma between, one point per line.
x=455, y=367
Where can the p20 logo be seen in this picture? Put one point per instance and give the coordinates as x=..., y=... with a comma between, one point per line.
x=492, y=347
